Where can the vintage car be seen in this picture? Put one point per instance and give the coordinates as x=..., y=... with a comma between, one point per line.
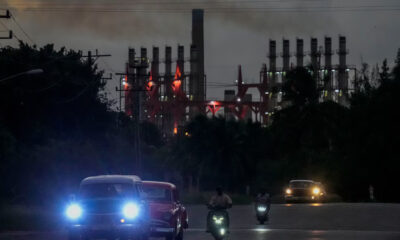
x=304, y=190
x=108, y=207
x=168, y=216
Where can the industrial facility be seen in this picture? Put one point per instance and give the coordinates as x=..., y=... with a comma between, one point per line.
x=170, y=98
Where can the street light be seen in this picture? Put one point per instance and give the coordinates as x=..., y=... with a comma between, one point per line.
x=29, y=72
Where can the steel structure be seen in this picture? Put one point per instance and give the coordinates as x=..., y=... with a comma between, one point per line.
x=171, y=98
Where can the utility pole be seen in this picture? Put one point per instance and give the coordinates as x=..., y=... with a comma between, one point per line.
x=7, y=16
x=90, y=57
x=134, y=86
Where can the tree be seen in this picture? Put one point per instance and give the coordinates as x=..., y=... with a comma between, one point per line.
x=384, y=74
x=396, y=69
x=300, y=88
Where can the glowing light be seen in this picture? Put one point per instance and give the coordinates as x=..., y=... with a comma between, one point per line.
x=131, y=210
x=261, y=208
x=316, y=191
x=222, y=231
x=150, y=85
x=238, y=99
x=74, y=211
x=122, y=220
x=288, y=191
x=176, y=84
x=175, y=130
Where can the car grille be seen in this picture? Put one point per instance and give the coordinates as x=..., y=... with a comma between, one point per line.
x=99, y=219
x=300, y=192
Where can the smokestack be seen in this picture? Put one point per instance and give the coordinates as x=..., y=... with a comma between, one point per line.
x=197, y=85
x=272, y=69
x=168, y=72
x=314, y=54
x=155, y=64
x=300, y=52
x=181, y=58
x=272, y=56
x=328, y=84
x=286, y=55
x=198, y=43
x=328, y=53
x=343, y=72
x=342, y=52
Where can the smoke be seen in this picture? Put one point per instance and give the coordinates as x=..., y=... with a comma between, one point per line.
x=166, y=19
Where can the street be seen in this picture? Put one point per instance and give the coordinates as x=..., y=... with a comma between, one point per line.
x=344, y=221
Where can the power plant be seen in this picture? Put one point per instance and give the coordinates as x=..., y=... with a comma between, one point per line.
x=170, y=98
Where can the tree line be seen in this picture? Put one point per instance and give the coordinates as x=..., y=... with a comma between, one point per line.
x=59, y=127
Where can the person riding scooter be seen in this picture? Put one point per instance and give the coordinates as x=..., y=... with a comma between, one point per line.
x=219, y=202
x=263, y=206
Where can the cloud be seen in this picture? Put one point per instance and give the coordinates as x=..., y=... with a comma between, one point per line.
x=131, y=19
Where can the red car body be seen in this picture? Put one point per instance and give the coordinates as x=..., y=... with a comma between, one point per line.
x=168, y=216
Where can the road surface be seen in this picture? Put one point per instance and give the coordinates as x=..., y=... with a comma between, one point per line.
x=341, y=221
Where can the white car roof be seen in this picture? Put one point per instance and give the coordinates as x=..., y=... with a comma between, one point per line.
x=111, y=179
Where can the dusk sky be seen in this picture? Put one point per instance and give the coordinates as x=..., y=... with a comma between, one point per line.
x=236, y=31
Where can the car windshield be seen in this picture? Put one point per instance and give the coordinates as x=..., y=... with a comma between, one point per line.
x=107, y=190
x=157, y=194
x=300, y=184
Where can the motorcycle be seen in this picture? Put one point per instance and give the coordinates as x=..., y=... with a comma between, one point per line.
x=262, y=213
x=219, y=223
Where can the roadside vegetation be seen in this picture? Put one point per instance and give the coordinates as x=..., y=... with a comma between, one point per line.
x=59, y=127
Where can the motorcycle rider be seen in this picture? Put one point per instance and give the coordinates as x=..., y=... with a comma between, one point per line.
x=263, y=198
x=220, y=201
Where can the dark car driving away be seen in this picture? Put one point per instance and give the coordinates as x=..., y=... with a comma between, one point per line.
x=168, y=216
x=108, y=207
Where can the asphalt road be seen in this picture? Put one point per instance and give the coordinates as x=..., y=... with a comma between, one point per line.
x=287, y=221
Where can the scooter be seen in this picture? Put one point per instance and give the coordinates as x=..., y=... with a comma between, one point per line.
x=262, y=213
x=219, y=223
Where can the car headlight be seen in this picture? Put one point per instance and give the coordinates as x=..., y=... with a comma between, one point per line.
x=218, y=220
x=288, y=191
x=261, y=208
x=74, y=211
x=316, y=191
x=130, y=210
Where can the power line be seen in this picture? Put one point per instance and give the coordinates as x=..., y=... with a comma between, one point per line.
x=23, y=31
x=221, y=10
x=52, y=3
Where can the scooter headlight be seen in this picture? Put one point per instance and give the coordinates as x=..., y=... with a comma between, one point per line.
x=261, y=208
x=74, y=211
x=131, y=210
x=218, y=220
x=222, y=231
